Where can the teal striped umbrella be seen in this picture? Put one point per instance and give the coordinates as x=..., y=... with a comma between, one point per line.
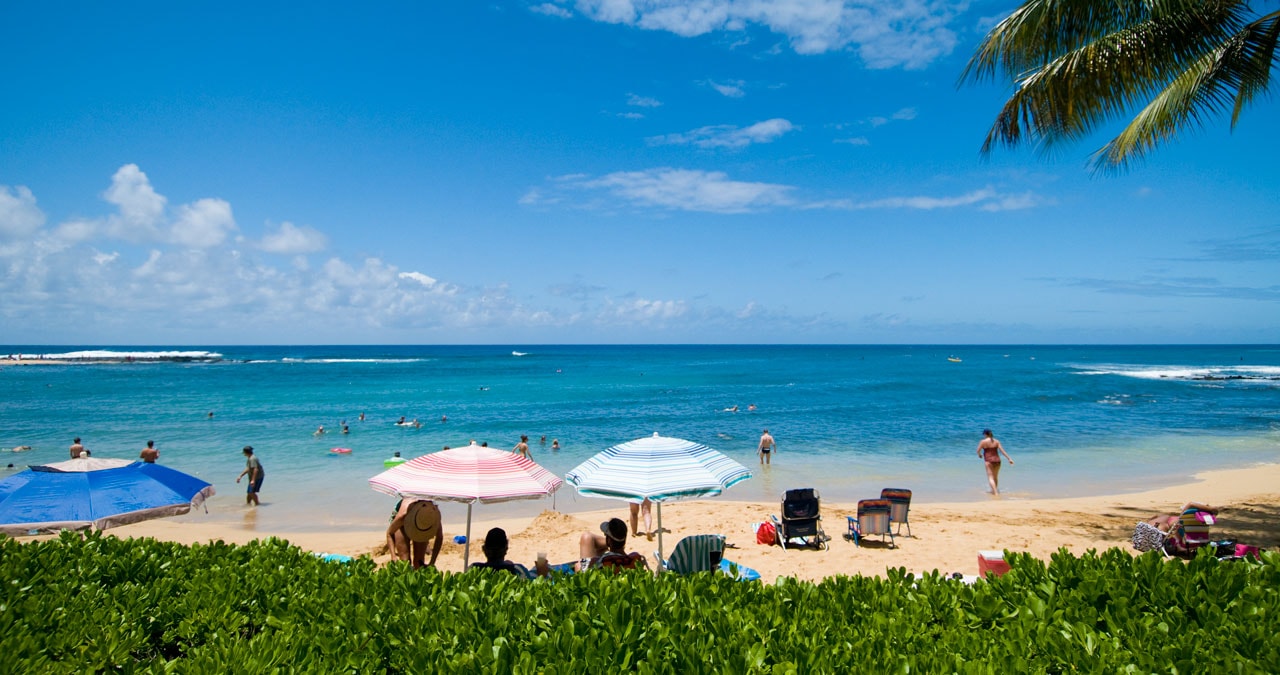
x=657, y=468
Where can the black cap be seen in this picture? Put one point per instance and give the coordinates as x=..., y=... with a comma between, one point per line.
x=614, y=529
x=248, y=448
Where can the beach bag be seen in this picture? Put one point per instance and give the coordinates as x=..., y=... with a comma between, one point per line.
x=766, y=534
x=1146, y=537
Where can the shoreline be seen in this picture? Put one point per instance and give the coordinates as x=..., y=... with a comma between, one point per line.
x=947, y=535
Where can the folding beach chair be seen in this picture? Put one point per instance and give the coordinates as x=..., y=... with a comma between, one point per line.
x=873, y=518
x=801, y=523
x=696, y=553
x=899, y=505
x=1191, y=533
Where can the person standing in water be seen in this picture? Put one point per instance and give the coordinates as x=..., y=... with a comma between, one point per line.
x=252, y=469
x=767, y=447
x=149, y=454
x=990, y=449
x=523, y=447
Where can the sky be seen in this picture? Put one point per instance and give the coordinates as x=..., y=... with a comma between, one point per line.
x=591, y=171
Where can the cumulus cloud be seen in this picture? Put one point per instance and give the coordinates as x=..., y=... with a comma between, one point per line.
x=906, y=33
x=140, y=207
x=901, y=115
x=688, y=190
x=728, y=136
x=551, y=10
x=202, y=224
x=19, y=215
x=290, y=239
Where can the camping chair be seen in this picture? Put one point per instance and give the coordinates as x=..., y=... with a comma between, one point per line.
x=801, y=519
x=899, y=505
x=873, y=518
x=1192, y=532
x=696, y=553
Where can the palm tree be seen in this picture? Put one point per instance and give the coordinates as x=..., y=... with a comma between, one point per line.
x=1077, y=64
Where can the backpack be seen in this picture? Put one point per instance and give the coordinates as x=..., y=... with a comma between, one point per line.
x=766, y=534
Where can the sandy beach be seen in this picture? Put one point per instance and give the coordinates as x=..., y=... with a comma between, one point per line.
x=947, y=536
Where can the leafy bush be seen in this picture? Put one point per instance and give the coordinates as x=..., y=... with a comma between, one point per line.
x=94, y=603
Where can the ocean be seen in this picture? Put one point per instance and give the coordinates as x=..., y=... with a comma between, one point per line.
x=849, y=420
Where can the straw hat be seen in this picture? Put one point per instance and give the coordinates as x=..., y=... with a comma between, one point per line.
x=422, y=522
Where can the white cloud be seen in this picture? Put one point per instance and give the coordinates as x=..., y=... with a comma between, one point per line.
x=290, y=239
x=857, y=140
x=687, y=190
x=19, y=215
x=732, y=88
x=727, y=136
x=901, y=115
x=141, y=208
x=643, y=101
x=551, y=10
x=631, y=115
x=419, y=277
x=987, y=199
x=203, y=224
x=641, y=311
x=905, y=33
x=905, y=114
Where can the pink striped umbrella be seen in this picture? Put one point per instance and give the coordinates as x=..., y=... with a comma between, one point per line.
x=468, y=475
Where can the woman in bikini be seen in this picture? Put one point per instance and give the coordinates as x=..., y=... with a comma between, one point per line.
x=989, y=449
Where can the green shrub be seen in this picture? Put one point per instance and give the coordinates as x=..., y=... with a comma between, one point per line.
x=93, y=603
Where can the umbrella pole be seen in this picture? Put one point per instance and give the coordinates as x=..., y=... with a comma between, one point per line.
x=466, y=552
x=659, y=529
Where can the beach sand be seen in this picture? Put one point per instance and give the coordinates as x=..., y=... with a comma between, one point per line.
x=947, y=536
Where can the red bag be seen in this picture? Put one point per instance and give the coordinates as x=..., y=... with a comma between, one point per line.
x=766, y=534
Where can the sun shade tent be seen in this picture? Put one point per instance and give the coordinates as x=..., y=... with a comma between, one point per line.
x=95, y=493
x=657, y=468
x=468, y=475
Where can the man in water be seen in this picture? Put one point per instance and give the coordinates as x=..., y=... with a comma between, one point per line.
x=77, y=450
x=150, y=454
x=989, y=449
x=252, y=469
x=767, y=447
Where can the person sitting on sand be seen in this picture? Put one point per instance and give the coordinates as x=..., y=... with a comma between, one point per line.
x=495, y=552
x=415, y=523
x=149, y=454
x=78, y=450
x=608, y=551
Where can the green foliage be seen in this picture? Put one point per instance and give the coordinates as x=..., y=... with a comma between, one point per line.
x=94, y=603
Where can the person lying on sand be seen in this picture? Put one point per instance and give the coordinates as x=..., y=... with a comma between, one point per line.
x=1166, y=523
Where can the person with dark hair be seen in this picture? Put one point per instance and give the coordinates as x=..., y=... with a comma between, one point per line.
x=252, y=469
x=77, y=450
x=989, y=449
x=495, y=550
x=149, y=454
x=608, y=551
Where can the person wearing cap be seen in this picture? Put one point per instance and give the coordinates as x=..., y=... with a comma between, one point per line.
x=609, y=550
x=989, y=449
x=252, y=469
x=416, y=522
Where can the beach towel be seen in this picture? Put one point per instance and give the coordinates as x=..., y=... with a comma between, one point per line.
x=1146, y=537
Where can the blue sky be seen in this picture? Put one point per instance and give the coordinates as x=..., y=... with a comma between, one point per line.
x=604, y=171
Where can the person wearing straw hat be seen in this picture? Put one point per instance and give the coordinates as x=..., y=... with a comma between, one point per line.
x=418, y=522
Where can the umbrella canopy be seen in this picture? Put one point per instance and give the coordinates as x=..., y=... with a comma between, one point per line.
x=468, y=475
x=95, y=493
x=657, y=468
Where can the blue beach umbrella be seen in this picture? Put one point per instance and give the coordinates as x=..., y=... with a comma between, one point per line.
x=657, y=468
x=95, y=493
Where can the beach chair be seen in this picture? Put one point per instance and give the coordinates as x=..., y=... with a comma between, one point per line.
x=696, y=553
x=874, y=517
x=1191, y=533
x=801, y=522
x=899, y=505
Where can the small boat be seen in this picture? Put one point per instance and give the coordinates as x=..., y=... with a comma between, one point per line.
x=953, y=359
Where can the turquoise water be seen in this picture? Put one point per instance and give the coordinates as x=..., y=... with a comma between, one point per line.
x=848, y=419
